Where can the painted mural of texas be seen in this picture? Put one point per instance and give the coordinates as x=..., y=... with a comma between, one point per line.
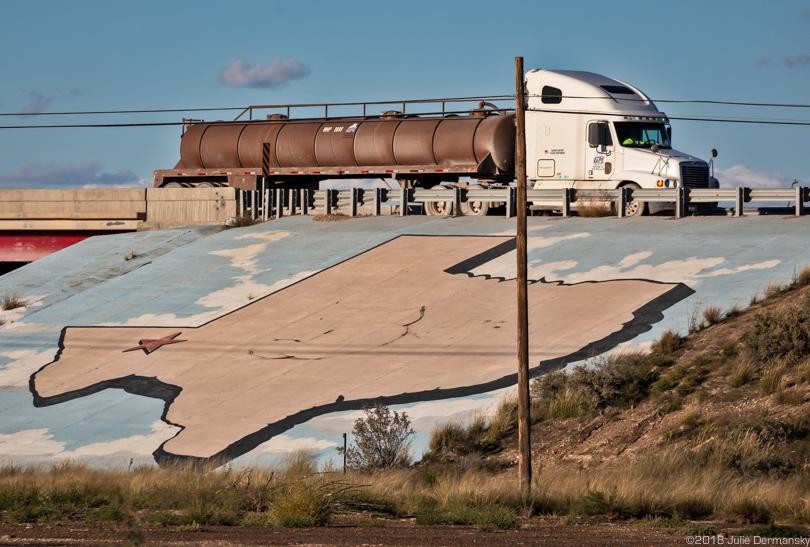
x=405, y=321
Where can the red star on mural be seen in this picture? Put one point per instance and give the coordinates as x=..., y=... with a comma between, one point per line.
x=151, y=345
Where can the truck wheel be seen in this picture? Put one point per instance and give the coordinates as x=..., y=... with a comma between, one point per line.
x=439, y=208
x=635, y=208
x=176, y=185
x=475, y=208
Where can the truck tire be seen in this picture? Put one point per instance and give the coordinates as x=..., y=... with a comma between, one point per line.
x=475, y=208
x=439, y=208
x=635, y=208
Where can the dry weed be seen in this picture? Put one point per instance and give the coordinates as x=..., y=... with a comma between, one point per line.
x=595, y=208
x=11, y=302
x=670, y=341
x=712, y=314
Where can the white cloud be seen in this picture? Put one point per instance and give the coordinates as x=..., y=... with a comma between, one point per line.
x=689, y=270
x=423, y=416
x=505, y=266
x=39, y=101
x=37, y=444
x=140, y=183
x=30, y=443
x=69, y=175
x=136, y=446
x=278, y=72
x=10, y=316
x=742, y=175
x=281, y=445
x=800, y=60
x=15, y=375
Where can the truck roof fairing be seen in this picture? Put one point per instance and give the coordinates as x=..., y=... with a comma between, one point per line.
x=586, y=92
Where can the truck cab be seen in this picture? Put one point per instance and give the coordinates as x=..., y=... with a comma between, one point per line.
x=588, y=131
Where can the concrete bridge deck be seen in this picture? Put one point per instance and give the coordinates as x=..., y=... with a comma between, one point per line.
x=36, y=223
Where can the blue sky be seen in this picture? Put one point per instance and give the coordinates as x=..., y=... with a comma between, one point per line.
x=106, y=55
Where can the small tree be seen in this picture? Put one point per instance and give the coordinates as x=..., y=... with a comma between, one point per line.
x=381, y=439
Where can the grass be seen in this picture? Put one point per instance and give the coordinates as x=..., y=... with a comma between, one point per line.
x=668, y=483
x=669, y=342
x=11, y=302
x=713, y=314
x=742, y=370
x=770, y=530
x=772, y=381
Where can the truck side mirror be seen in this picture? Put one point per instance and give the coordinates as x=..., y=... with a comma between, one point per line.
x=714, y=153
x=597, y=134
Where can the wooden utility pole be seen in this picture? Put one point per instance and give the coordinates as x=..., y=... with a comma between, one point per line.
x=524, y=420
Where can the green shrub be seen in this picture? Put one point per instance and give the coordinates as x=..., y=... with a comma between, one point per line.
x=618, y=380
x=659, y=361
x=165, y=518
x=672, y=405
x=781, y=334
x=207, y=515
x=18, y=514
x=683, y=390
x=664, y=384
x=107, y=513
x=301, y=504
x=669, y=342
x=592, y=504
x=496, y=516
x=752, y=510
x=381, y=439
x=770, y=530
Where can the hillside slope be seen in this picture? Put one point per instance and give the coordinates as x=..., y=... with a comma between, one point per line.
x=734, y=393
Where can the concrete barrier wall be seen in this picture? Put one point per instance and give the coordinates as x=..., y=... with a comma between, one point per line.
x=114, y=208
x=167, y=207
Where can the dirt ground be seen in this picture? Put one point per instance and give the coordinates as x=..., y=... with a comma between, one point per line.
x=346, y=531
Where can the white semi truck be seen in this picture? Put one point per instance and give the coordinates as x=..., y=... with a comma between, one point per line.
x=588, y=131
x=583, y=130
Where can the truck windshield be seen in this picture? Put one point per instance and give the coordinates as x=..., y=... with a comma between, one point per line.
x=642, y=135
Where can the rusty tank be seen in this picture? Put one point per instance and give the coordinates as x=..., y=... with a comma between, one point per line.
x=422, y=148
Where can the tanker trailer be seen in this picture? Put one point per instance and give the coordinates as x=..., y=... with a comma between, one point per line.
x=413, y=150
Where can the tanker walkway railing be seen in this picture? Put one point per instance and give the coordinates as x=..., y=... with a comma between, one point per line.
x=277, y=202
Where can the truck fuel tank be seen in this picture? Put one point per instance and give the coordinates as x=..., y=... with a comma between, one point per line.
x=391, y=140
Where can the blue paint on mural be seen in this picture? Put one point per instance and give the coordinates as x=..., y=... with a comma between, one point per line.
x=188, y=277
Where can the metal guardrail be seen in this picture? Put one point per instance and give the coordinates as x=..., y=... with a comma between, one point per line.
x=275, y=202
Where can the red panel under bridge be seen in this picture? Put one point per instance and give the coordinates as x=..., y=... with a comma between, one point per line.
x=30, y=245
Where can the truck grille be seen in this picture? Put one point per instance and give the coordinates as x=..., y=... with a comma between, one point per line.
x=695, y=176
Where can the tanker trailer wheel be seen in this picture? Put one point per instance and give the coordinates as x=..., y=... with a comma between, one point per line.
x=439, y=208
x=475, y=208
x=177, y=185
x=635, y=208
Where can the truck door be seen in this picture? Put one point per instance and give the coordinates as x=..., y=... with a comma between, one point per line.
x=599, y=156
